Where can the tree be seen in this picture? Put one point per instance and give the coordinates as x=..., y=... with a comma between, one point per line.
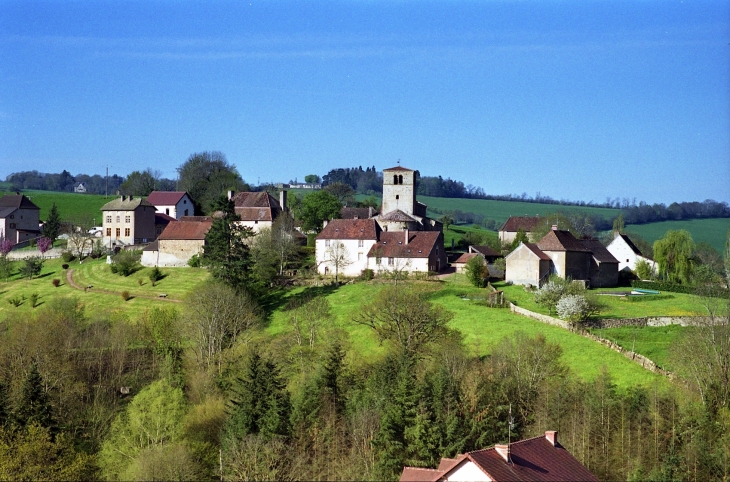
x=44, y=244
x=520, y=237
x=140, y=183
x=644, y=270
x=446, y=220
x=476, y=271
x=32, y=266
x=6, y=246
x=674, y=254
x=206, y=176
x=317, y=207
x=337, y=256
x=405, y=318
x=215, y=317
x=345, y=194
x=275, y=248
x=619, y=224
x=79, y=240
x=311, y=179
x=125, y=262
x=226, y=250
x=34, y=406
x=52, y=227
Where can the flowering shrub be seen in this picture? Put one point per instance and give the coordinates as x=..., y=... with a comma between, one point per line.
x=549, y=294
x=573, y=308
x=44, y=244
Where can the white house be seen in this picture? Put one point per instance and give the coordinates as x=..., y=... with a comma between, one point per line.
x=627, y=254
x=175, y=204
x=344, y=244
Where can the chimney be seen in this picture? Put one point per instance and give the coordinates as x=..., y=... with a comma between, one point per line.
x=282, y=200
x=552, y=437
x=124, y=198
x=555, y=227
x=406, y=231
x=503, y=450
x=324, y=223
x=370, y=212
x=230, y=195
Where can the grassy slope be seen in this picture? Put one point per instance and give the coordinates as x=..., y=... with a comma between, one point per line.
x=652, y=342
x=176, y=284
x=70, y=205
x=713, y=231
x=481, y=327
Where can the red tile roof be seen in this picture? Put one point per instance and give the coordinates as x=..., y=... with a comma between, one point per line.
x=515, y=223
x=162, y=218
x=558, y=240
x=464, y=258
x=165, y=198
x=534, y=459
x=392, y=244
x=256, y=206
x=536, y=250
x=356, y=213
x=186, y=230
x=487, y=251
x=350, y=229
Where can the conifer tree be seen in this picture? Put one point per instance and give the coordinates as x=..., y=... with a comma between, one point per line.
x=34, y=407
x=52, y=226
x=5, y=413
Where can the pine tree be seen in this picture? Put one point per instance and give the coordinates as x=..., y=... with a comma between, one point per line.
x=226, y=250
x=52, y=226
x=34, y=406
x=5, y=414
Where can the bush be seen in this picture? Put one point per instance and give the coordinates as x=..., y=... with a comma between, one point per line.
x=15, y=301
x=56, y=282
x=33, y=298
x=549, y=294
x=31, y=267
x=155, y=275
x=644, y=270
x=140, y=281
x=195, y=261
x=367, y=274
x=126, y=295
x=477, y=272
x=64, y=266
x=67, y=256
x=126, y=262
x=573, y=308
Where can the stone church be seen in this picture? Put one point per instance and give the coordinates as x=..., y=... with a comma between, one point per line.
x=401, y=237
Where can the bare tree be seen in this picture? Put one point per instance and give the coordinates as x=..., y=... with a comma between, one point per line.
x=80, y=242
x=337, y=256
x=215, y=317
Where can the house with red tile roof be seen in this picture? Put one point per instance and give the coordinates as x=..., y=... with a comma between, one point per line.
x=258, y=210
x=18, y=218
x=508, y=230
x=535, y=459
x=128, y=220
x=412, y=251
x=179, y=242
x=175, y=204
x=352, y=238
x=560, y=253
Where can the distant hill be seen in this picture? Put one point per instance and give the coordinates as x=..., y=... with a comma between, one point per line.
x=712, y=231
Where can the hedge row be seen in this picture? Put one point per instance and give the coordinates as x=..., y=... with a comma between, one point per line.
x=665, y=286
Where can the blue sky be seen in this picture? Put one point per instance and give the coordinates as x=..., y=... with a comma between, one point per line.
x=576, y=100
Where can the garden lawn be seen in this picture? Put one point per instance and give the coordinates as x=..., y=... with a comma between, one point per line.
x=93, y=300
x=653, y=342
x=482, y=328
x=665, y=304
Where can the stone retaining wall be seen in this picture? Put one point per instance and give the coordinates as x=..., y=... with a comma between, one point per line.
x=648, y=321
x=635, y=357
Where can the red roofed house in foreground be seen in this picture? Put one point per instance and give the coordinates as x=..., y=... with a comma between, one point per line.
x=535, y=459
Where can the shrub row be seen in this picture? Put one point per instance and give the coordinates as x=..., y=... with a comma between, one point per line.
x=671, y=287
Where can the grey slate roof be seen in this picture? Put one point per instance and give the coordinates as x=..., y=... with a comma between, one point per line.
x=126, y=204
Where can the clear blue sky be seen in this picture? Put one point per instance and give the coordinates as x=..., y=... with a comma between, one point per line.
x=578, y=100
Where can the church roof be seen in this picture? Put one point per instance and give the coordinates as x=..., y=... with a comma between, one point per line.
x=397, y=216
x=398, y=168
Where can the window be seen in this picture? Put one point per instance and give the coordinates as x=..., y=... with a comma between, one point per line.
x=109, y=219
x=12, y=216
x=397, y=196
x=360, y=243
x=395, y=178
x=12, y=225
x=186, y=212
x=327, y=242
x=378, y=260
x=119, y=219
x=400, y=179
x=390, y=261
x=126, y=232
x=118, y=232
x=127, y=219
x=185, y=201
x=109, y=231
x=167, y=211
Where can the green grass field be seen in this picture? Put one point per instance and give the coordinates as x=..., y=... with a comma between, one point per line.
x=176, y=284
x=71, y=206
x=713, y=231
x=652, y=342
x=666, y=304
x=481, y=327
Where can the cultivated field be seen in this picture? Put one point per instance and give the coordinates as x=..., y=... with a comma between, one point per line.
x=71, y=206
x=713, y=231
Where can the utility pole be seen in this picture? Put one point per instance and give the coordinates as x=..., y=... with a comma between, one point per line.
x=106, y=190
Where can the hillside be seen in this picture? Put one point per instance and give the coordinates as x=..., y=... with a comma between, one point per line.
x=713, y=231
x=71, y=206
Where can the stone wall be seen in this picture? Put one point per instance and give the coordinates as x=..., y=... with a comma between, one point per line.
x=648, y=321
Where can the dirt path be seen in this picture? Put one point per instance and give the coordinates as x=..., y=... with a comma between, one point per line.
x=72, y=283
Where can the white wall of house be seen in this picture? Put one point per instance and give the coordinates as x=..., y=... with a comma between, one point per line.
x=409, y=265
x=184, y=207
x=357, y=255
x=626, y=256
x=256, y=226
x=468, y=472
x=523, y=267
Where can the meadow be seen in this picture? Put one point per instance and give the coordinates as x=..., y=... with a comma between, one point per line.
x=713, y=231
x=71, y=206
x=653, y=342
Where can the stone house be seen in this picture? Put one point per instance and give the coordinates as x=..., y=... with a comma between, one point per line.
x=567, y=257
x=538, y=459
x=128, y=220
x=179, y=242
x=627, y=254
x=410, y=251
x=175, y=204
x=527, y=265
x=258, y=210
x=508, y=231
x=19, y=218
